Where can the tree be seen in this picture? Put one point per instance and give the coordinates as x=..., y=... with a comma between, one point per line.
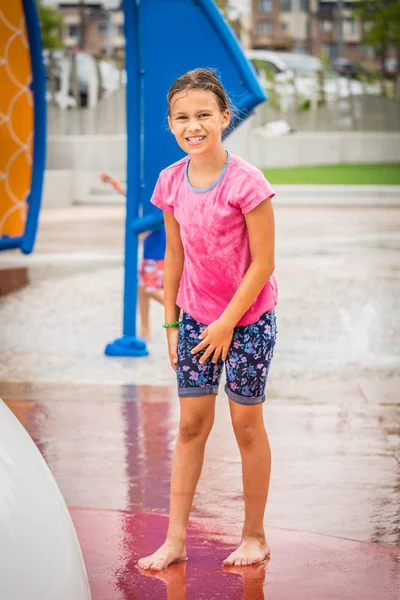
x=50, y=25
x=230, y=15
x=381, y=20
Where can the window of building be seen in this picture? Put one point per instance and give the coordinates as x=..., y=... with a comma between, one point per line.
x=73, y=30
x=284, y=26
x=286, y=5
x=349, y=27
x=121, y=30
x=331, y=50
x=103, y=28
x=304, y=5
x=326, y=8
x=265, y=27
x=266, y=6
x=326, y=25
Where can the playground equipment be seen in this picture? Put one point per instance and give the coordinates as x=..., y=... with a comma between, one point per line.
x=22, y=124
x=163, y=40
x=40, y=554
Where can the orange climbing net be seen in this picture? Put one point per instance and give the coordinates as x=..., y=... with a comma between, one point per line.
x=16, y=119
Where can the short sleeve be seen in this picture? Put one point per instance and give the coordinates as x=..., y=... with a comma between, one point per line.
x=251, y=190
x=159, y=197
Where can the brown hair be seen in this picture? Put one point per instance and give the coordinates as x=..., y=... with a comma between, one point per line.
x=200, y=79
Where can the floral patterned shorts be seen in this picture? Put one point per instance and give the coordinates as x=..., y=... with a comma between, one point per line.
x=151, y=274
x=247, y=364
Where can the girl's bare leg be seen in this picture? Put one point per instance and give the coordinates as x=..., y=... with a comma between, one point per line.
x=196, y=421
x=157, y=295
x=252, y=439
x=144, y=310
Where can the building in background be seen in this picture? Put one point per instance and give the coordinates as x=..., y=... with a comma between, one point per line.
x=93, y=25
x=311, y=26
x=327, y=36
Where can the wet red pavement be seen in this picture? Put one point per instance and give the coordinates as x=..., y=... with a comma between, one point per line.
x=110, y=447
x=302, y=565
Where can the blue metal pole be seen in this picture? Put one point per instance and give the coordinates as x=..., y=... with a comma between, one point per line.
x=129, y=344
x=39, y=139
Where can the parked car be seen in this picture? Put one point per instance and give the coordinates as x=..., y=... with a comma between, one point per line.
x=347, y=68
x=266, y=59
x=390, y=70
x=285, y=62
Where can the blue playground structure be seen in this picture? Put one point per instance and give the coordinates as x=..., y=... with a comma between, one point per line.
x=164, y=40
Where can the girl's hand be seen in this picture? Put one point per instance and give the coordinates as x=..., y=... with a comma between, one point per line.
x=172, y=337
x=216, y=338
x=105, y=177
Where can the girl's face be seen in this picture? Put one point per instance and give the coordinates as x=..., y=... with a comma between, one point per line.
x=197, y=122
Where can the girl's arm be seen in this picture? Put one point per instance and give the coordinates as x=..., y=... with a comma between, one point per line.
x=117, y=185
x=173, y=267
x=120, y=187
x=261, y=230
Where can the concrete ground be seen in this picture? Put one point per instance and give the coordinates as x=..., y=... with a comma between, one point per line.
x=106, y=425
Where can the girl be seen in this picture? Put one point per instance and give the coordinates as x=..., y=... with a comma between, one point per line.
x=151, y=272
x=218, y=270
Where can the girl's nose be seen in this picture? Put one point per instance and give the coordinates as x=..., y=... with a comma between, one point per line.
x=193, y=125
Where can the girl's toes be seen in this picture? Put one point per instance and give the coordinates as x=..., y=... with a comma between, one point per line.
x=157, y=565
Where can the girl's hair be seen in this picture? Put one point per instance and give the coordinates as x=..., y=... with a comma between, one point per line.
x=201, y=79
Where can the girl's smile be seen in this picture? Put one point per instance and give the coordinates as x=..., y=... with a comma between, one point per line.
x=195, y=141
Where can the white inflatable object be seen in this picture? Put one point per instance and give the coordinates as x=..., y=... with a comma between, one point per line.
x=40, y=556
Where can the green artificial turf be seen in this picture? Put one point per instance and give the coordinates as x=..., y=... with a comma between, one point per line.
x=364, y=174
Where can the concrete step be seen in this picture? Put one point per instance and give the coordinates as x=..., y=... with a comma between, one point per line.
x=12, y=279
x=100, y=199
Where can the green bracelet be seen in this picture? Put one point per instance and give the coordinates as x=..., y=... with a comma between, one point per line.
x=174, y=324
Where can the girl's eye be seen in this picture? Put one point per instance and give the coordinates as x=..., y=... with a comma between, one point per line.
x=181, y=118
x=204, y=115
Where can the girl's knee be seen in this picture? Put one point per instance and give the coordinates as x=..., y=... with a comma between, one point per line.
x=247, y=431
x=194, y=428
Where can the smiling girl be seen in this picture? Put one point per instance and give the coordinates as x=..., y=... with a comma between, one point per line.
x=218, y=271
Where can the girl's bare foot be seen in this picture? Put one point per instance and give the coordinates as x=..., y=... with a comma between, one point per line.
x=170, y=552
x=250, y=552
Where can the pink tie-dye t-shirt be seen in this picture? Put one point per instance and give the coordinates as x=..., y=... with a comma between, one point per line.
x=214, y=236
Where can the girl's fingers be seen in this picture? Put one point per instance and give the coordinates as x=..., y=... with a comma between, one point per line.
x=217, y=354
x=206, y=354
x=174, y=361
x=224, y=353
x=203, y=334
x=200, y=346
